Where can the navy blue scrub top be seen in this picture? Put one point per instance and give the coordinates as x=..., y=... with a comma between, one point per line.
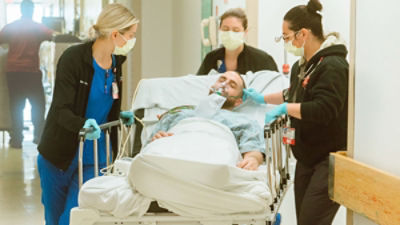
x=99, y=105
x=222, y=67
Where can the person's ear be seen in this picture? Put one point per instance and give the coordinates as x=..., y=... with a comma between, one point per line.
x=304, y=33
x=114, y=34
x=246, y=32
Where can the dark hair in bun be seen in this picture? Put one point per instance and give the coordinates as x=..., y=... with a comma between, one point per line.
x=306, y=16
x=314, y=6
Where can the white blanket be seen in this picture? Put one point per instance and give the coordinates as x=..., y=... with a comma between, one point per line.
x=114, y=195
x=194, y=173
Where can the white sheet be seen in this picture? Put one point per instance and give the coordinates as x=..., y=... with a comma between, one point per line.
x=185, y=174
x=200, y=140
x=192, y=176
x=114, y=195
x=166, y=93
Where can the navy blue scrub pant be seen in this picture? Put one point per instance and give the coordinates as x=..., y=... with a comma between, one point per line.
x=60, y=189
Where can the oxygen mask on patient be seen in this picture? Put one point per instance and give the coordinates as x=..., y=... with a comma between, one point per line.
x=219, y=89
x=222, y=89
x=211, y=104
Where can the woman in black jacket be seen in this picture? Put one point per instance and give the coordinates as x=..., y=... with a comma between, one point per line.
x=317, y=105
x=87, y=93
x=235, y=55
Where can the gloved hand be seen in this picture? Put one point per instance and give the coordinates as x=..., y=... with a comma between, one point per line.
x=95, y=134
x=127, y=117
x=254, y=95
x=275, y=112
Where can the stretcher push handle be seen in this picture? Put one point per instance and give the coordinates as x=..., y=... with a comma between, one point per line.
x=103, y=126
x=82, y=133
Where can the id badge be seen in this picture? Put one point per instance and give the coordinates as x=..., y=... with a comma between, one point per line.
x=115, y=91
x=289, y=136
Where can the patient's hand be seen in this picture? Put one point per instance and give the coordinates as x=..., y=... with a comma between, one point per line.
x=251, y=160
x=161, y=134
x=249, y=163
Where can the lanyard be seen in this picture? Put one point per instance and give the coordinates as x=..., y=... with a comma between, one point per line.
x=106, y=75
x=113, y=71
x=309, y=72
x=304, y=77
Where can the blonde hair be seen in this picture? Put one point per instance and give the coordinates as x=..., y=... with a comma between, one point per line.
x=113, y=17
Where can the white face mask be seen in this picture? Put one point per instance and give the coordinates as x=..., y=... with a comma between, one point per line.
x=231, y=40
x=210, y=105
x=124, y=50
x=293, y=49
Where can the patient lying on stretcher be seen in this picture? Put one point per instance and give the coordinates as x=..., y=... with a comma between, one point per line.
x=248, y=134
x=192, y=164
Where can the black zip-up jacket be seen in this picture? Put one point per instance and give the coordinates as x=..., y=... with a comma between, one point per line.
x=66, y=116
x=250, y=59
x=323, y=127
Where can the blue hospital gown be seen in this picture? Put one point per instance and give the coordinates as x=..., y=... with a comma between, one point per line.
x=247, y=132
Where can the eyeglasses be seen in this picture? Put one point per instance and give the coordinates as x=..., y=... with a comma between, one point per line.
x=123, y=37
x=285, y=37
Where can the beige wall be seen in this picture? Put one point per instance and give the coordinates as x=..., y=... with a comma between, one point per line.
x=252, y=16
x=186, y=52
x=170, y=37
x=157, y=40
x=168, y=41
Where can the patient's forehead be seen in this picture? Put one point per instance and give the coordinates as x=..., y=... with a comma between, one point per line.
x=232, y=76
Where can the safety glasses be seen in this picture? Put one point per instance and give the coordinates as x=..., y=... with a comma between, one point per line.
x=285, y=37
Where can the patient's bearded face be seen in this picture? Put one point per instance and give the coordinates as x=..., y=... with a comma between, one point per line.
x=229, y=103
x=232, y=90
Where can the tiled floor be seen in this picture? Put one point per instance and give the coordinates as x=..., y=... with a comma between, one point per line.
x=19, y=183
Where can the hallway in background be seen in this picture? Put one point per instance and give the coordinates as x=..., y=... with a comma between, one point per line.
x=19, y=182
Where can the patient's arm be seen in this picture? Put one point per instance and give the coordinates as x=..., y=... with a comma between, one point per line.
x=161, y=134
x=167, y=122
x=251, y=160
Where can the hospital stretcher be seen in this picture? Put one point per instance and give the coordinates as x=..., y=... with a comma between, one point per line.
x=277, y=164
x=278, y=177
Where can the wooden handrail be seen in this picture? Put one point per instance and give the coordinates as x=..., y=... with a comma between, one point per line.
x=366, y=190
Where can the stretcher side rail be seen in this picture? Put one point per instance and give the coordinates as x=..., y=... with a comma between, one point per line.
x=107, y=128
x=275, y=162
